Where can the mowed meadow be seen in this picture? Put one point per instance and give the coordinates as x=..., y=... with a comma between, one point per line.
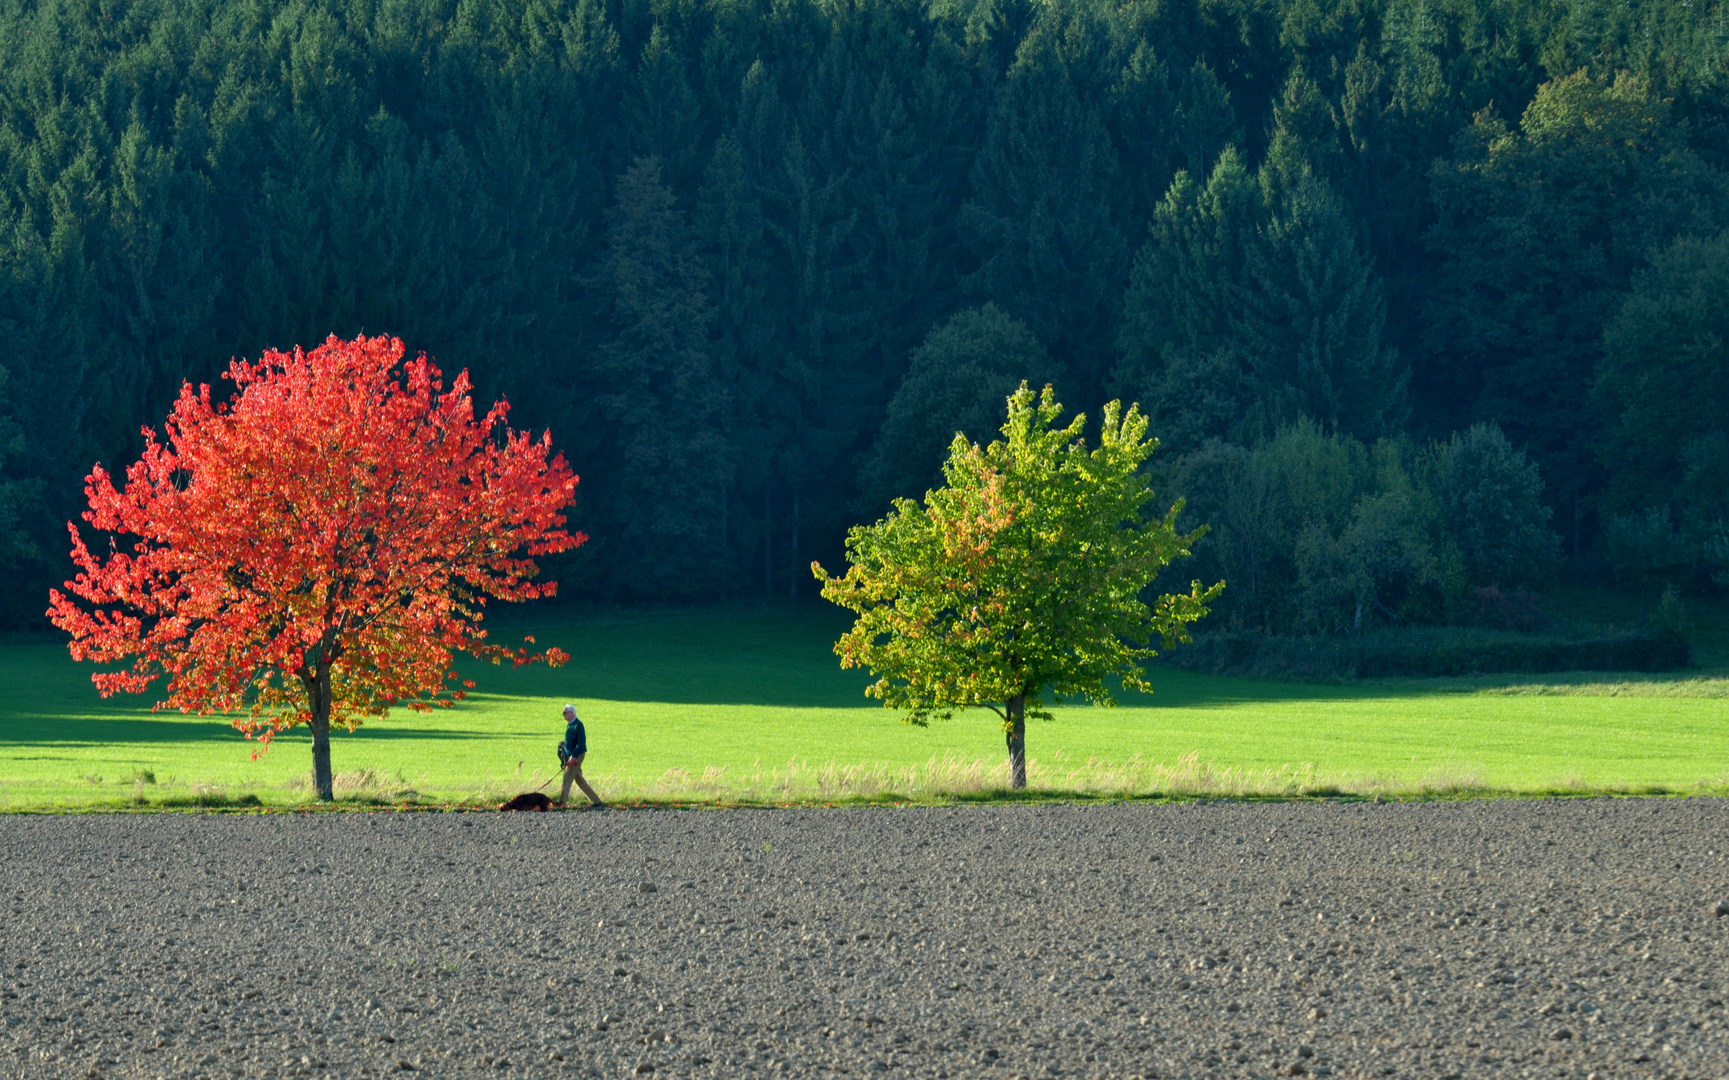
x=752, y=708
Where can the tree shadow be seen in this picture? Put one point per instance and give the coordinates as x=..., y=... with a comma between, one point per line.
x=725, y=656
x=785, y=658
x=84, y=730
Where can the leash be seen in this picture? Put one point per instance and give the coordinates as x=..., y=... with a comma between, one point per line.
x=551, y=778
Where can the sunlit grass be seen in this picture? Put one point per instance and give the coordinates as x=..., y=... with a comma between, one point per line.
x=752, y=708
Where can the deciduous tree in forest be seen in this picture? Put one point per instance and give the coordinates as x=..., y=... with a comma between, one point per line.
x=312, y=551
x=1663, y=382
x=956, y=382
x=1022, y=574
x=1541, y=228
x=1490, y=497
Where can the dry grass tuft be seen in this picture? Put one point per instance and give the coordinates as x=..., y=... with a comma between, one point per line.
x=947, y=779
x=364, y=782
x=1633, y=688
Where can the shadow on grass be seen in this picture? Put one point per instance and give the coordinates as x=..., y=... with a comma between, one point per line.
x=777, y=658
x=772, y=658
x=206, y=800
x=82, y=730
x=785, y=659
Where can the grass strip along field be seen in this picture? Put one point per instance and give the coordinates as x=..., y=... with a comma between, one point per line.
x=752, y=708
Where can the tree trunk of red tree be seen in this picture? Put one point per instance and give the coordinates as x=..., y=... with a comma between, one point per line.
x=318, y=690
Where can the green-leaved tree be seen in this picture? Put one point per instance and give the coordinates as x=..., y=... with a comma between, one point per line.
x=1022, y=574
x=956, y=382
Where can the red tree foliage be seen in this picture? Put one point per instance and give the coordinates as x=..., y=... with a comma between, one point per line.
x=314, y=550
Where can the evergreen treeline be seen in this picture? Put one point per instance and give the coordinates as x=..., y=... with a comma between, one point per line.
x=753, y=261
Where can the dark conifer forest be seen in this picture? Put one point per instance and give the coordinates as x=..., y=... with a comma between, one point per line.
x=1428, y=299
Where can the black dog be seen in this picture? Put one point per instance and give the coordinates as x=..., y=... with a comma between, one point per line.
x=528, y=800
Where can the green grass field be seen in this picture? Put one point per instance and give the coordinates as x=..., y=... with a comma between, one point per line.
x=753, y=707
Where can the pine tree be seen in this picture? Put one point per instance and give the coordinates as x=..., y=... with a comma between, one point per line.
x=657, y=498
x=1206, y=124
x=18, y=497
x=50, y=308
x=1305, y=133
x=1178, y=353
x=1145, y=125
x=729, y=225
x=665, y=117
x=157, y=276
x=1188, y=274
x=1311, y=316
x=895, y=180
x=1042, y=220
x=825, y=396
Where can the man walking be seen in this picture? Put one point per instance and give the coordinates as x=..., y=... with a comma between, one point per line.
x=571, y=752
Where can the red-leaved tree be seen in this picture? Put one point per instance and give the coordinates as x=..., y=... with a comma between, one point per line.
x=315, y=549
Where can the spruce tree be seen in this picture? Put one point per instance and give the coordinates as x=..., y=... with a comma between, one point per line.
x=1311, y=316
x=658, y=486
x=1145, y=127
x=664, y=114
x=1178, y=355
x=1042, y=220
x=1206, y=123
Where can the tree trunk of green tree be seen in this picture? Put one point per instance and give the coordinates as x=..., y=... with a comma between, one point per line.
x=1017, y=738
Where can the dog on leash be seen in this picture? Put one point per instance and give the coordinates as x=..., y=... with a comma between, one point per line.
x=528, y=800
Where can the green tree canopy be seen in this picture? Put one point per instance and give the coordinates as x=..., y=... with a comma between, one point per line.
x=1663, y=382
x=1318, y=532
x=1490, y=500
x=1541, y=228
x=1022, y=575
x=1663, y=385
x=956, y=382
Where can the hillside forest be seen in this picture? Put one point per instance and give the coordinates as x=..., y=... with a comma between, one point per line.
x=1428, y=300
